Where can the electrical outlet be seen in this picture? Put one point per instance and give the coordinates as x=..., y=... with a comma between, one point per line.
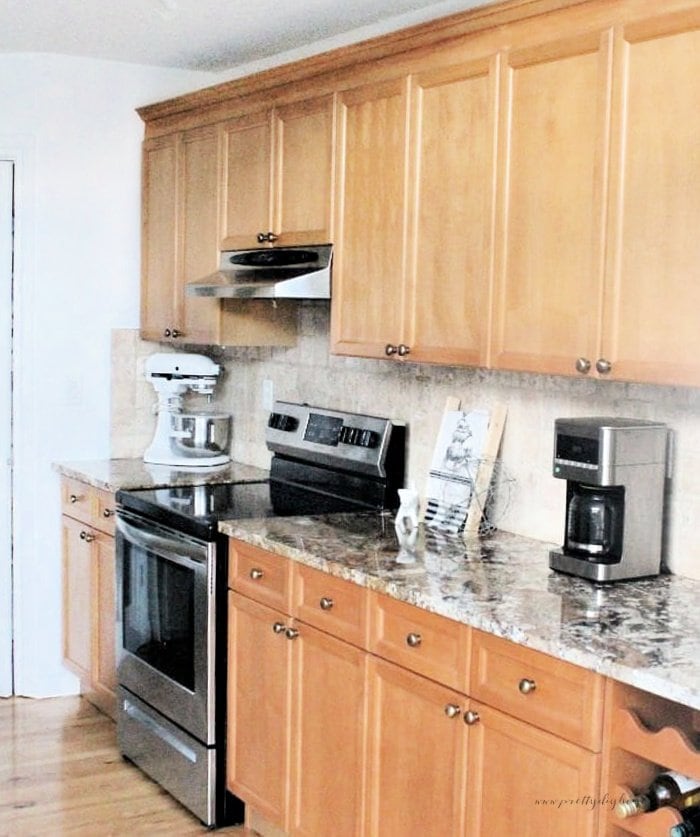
x=268, y=396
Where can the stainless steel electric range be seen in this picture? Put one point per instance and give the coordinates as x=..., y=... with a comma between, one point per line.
x=171, y=588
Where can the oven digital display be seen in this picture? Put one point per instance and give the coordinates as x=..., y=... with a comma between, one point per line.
x=577, y=449
x=323, y=430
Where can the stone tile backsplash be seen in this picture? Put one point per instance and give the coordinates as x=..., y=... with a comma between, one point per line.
x=416, y=394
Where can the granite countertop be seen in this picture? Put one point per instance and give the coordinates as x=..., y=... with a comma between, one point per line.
x=113, y=474
x=645, y=633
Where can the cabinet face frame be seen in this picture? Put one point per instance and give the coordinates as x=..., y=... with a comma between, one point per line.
x=547, y=334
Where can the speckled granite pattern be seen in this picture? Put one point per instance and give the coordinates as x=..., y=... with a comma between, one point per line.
x=645, y=633
x=112, y=474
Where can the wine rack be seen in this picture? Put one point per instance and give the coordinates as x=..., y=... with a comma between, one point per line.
x=644, y=735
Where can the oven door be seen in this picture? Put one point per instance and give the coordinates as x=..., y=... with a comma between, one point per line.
x=166, y=617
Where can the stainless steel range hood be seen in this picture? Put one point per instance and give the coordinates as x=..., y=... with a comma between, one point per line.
x=269, y=273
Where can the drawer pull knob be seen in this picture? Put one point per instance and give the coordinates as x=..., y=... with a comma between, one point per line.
x=278, y=627
x=452, y=710
x=88, y=537
x=291, y=633
x=583, y=365
x=256, y=574
x=414, y=640
x=526, y=686
x=108, y=513
x=471, y=718
x=326, y=603
x=74, y=498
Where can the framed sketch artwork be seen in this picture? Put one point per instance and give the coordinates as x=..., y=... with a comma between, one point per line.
x=461, y=468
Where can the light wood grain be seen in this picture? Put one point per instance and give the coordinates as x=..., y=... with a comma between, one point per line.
x=61, y=773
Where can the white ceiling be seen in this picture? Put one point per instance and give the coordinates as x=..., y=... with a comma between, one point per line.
x=212, y=35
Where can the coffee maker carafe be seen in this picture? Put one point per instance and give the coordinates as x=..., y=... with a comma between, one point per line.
x=615, y=471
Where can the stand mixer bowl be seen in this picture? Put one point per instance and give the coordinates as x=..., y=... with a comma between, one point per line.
x=200, y=435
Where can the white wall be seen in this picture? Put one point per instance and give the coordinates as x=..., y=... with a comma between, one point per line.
x=73, y=124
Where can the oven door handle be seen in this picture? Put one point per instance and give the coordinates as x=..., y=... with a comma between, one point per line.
x=178, y=551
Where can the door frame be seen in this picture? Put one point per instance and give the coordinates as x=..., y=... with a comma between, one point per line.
x=7, y=202
x=21, y=150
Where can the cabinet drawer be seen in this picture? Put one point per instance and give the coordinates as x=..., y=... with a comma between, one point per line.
x=77, y=500
x=103, y=510
x=431, y=645
x=260, y=574
x=331, y=604
x=551, y=694
x=89, y=505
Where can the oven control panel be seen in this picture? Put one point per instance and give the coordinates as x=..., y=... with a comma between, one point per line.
x=332, y=437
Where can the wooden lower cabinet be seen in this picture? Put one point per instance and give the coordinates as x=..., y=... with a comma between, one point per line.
x=328, y=699
x=417, y=751
x=89, y=597
x=296, y=721
x=528, y=782
x=258, y=707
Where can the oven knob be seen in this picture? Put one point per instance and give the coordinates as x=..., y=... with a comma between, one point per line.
x=280, y=421
x=368, y=439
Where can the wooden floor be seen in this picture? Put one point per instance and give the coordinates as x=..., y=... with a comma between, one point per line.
x=61, y=774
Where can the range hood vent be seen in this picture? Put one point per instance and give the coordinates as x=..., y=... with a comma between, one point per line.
x=269, y=273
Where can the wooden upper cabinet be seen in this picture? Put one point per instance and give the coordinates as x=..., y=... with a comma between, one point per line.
x=304, y=149
x=200, y=173
x=279, y=175
x=368, y=271
x=555, y=102
x=452, y=136
x=653, y=292
x=160, y=300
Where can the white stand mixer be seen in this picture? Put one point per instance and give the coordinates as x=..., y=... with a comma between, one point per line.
x=172, y=375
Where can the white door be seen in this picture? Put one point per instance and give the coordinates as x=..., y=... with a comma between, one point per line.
x=6, y=239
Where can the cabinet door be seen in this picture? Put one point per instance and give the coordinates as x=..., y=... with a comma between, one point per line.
x=303, y=184
x=327, y=735
x=651, y=331
x=368, y=274
x=417, y=755
x=104, y=669
x=248, y=179
x=549, y=260
x=528, y=782
x=258, y=707
x=160, y=294
x=201, y=175
x=77, y=597
x=450, y=228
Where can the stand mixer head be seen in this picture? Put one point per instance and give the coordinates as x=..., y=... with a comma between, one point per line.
x=186, y=439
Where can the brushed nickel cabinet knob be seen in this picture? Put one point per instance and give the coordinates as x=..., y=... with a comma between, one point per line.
x=526, y=686
x=74, y=498
x=603, y=366
x=167, y=332
x=176, y=333
x=108, y=513
x=471, y=718
x=403, y=350
x=326, y=603
x=414, y=640
x=278, y=627
x=256, y=574
x=452, y=710
x=583, y=365
x=390, y=349
x=88, y=537
x=291, y=633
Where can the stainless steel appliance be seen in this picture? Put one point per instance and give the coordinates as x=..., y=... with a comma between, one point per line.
x=270, y=273
x=171, y=588
x=615, y=470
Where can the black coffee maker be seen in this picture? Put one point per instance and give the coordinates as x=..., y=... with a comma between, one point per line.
x=615, y=471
